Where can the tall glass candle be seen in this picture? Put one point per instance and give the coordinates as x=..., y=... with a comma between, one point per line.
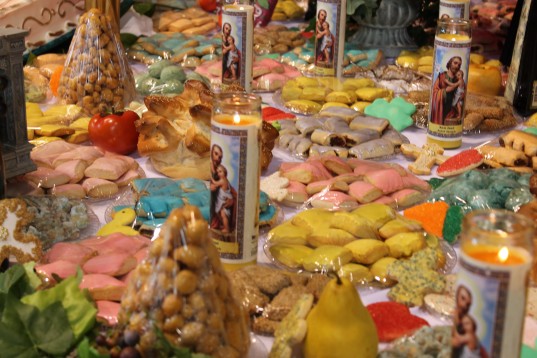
x=237, y=45
x=235, y=174
x=492, y=284
x=450, y=77
x=455, y=9
x=330, y=37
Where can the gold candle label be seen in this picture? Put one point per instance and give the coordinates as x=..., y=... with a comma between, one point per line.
x=237, y=45
x=234, y=185
x=448, y=91
x=329, y=37
x=454, y=9
x=489, y=312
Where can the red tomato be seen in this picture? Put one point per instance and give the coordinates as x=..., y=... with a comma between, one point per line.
x=115, y=132
x=207, y=5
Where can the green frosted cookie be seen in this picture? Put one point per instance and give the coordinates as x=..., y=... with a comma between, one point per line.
x=452, y=224
x=397, y=112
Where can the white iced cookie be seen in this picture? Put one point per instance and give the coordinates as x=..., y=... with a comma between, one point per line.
x=275, y=186
x=14, y=242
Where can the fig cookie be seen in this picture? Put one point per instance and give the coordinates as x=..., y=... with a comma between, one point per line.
x=14, y=242
x=426, y=157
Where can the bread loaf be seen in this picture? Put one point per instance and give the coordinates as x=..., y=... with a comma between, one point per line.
x=175, y=133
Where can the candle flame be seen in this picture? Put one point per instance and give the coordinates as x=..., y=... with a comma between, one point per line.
x=236, y=118
x=503, y=254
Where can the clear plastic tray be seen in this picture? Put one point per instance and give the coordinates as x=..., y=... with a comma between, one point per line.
x=448, y=251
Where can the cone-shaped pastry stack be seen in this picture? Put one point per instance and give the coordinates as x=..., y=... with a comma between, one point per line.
x=182, y=291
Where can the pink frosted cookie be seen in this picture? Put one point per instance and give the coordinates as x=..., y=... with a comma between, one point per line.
x=333, y=200
x=269, y=82
x=387, y=180
x=407, y=197
x=325, y=185
x=386, y=200
x=296, y=194
x=364, y=192
x=335, y=164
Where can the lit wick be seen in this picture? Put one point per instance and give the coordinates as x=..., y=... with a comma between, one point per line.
x=236, y=118
x=503, y=254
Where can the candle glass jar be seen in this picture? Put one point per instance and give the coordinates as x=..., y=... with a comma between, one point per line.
x=238, y=45
x=450, y=77
x=492, y=283
x=454, y=8
x=235, y=174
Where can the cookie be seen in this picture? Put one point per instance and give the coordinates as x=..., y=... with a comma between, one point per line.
x=441, y=304
x=426, y=157
x=394, y=320
x=416, y=277
x=460, y=163
x=14, y=242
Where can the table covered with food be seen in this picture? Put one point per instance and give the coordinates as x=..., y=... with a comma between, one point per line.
x=120, y=236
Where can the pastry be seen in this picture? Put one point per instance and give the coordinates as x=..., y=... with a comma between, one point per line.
x=503, y=156
x=356, y=273
x=358, y=226
x=364, y=192
x=15, y=241
x=405, y=244
x=367, y=251
x=327, y=258
x=368, y=122
x=521, y=141
x=332, y=199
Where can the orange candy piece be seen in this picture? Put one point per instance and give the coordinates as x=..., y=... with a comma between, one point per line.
x=55, y=80
x=430, y=215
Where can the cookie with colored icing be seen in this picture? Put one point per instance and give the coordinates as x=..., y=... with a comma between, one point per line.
x=397, y=111
x=14, y=241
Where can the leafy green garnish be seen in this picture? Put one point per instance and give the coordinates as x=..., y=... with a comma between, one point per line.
x=80, y=310
x=25, y=331
x=85, y=350
x=44, y=323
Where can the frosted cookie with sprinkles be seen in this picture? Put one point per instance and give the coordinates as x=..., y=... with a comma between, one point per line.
x=14, y=242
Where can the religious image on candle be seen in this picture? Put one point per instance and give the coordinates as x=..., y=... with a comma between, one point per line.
x=233, y=221
x=231, y=50
x=484, y=292
x=454, y=9
x=448, y=90
x=237, y=43
x=449, y=87
x=327, y=35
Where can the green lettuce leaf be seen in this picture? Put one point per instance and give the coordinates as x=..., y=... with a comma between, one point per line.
x=32, y=277
x=25, y=331
x=80, y=309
